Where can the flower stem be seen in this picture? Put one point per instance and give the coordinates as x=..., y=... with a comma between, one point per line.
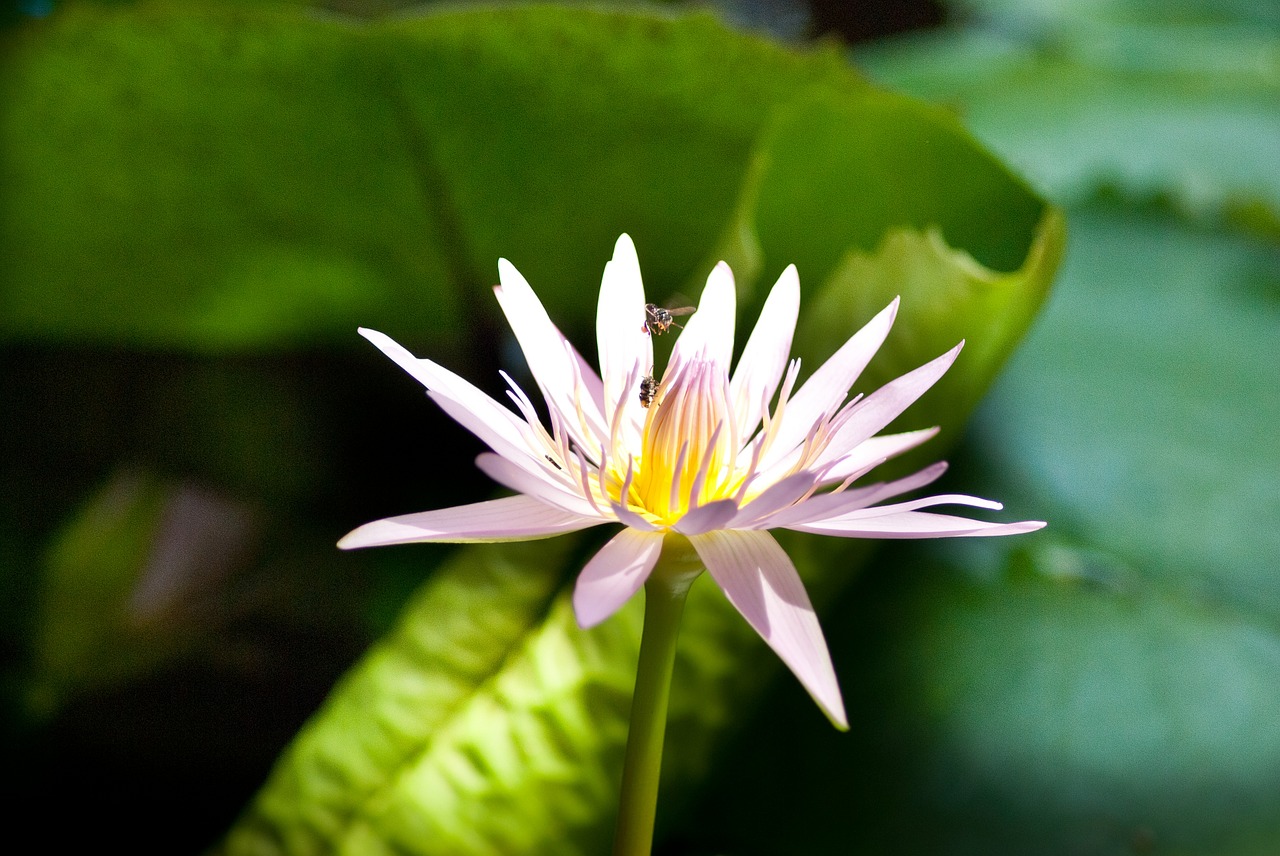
x=664, y=597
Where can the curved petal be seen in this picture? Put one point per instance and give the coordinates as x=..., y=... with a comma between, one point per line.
x=513, y=518
x=621, y=339
x=759, y=369
x=872, y=452
x=883, y=406
x=916, y=524
x=539, y=485
x=499, y=428
x=704, y=518
x=550, y=357
x=823, y=392
x=815, y=509
x=614, y=574
x=757, y=576
x=708, y=335
x=778, y=496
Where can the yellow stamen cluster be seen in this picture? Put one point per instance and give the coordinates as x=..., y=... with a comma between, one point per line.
x=690, y=445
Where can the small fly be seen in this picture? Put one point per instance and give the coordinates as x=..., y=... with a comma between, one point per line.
x=648, y=389
x=552, y=461
x=659, y=319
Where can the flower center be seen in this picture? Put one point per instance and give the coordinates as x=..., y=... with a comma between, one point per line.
x=690, y=444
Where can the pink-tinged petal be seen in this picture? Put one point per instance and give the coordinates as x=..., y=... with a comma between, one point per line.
x=550, y=357
x=815, y=509
x=498, y=427
x=708, y=334
x=824, y=391
x=780, y=495
x=874, y=451
x=513, y=518
x=883, y=406
x=621, y=339
x=760, y=367
x=476, y=424
x=759, y=579
x=924, y=502
x=631, y=519
x=591, y=381
x=538, y=483
x=614, y=574
x=704, y=518
x=917, y=524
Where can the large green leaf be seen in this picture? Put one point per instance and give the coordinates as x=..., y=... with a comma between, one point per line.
x=1172, y=464
x=257, y=178
x=966, y=251
x=1107, y=685
x=1182, y=110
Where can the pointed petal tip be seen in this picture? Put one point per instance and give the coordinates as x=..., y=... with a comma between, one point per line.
x=788, y=283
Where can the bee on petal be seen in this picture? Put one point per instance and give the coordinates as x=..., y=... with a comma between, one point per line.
x=648, y=390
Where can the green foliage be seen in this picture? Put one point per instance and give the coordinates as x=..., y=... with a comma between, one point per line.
x=1148, y=107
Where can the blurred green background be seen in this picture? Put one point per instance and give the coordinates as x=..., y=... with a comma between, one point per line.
x=200, y=202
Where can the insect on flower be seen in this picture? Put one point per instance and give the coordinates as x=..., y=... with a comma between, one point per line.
x=648, y=389
x=659, y=319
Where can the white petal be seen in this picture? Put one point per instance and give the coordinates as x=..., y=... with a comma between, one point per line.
x=591, y=381
x=760, y=367
x=539, y=484
x=708, y=334
x=551, y=358
x=874, y=451
x=778, y=496
x=513, y=518
x=632, y=519
x=621, y=339
x=818, y=508
x=883, y=406
x=758, y=578
x=704, y=518
x=823, y=392
x=499, y=428
x=614, y=574
x=917, y=524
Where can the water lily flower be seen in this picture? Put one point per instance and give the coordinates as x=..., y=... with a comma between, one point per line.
x=707, y=464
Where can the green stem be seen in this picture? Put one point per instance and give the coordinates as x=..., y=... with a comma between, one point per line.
x=664, y=597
